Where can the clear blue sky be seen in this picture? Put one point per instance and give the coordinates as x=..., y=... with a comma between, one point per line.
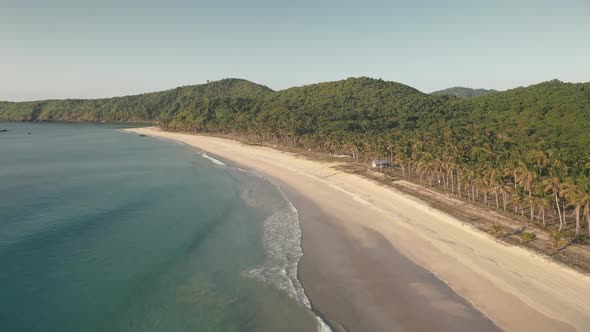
x=82, y=49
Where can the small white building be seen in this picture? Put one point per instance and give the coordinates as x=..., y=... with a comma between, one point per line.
x=380, y=163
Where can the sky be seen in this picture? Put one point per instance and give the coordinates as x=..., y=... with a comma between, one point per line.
x=91, y=49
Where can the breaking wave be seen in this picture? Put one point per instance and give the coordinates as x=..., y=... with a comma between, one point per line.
x=282, y=243
x=213, y=160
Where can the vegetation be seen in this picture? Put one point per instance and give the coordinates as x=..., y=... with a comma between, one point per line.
x=463, y=92
x=524, y=150
x=527, y=236
x=497, y=228
x=556, y=238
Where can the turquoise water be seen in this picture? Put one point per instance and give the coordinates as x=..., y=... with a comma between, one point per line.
x=102, y=230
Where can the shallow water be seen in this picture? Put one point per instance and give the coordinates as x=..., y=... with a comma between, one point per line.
x=102, y=230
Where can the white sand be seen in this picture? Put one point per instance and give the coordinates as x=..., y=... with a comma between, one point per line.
x=518, y=290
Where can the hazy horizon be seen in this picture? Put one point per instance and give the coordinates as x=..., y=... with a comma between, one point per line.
x=73, y=49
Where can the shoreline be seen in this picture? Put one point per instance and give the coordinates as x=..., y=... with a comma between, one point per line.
x=321, y=274
x=513, y=288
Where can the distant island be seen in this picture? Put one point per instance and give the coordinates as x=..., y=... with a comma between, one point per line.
x=463, y=92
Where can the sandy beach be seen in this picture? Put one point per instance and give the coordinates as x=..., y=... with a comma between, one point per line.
x=379, y=260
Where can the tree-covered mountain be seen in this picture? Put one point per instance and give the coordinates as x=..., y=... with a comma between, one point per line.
x=143, y=107
x=528, y=148
x=311, y=113
x=463, y=92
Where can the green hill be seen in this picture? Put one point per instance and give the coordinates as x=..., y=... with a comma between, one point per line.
x=361, y=115
x=463, y=92
x=144, y=107
x=550, y=115
x=311, y=112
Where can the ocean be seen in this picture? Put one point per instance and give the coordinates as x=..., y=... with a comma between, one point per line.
x=103, y=230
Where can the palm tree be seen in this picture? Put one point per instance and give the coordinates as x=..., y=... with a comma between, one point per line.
x=449, y=167
x=530, y=202
x=390, y=147
x=504, y=189
x=526, y=179
x=519, y=200
x=420, y=166
x=584, y=198
x=515, y=171
x=455, y=172
x=544, y=204
x=542, y=159
x=481, y=186
x=558, y=166
x=401, y=157
x=495, y=188
x=439, y=170
x=459, y=173
x=429, y=167
x=552, y=184
x=468, y=177
x=572, y=193
x=585, y=201
x=491, y=175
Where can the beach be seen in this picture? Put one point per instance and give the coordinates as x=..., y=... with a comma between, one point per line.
x=375, y=259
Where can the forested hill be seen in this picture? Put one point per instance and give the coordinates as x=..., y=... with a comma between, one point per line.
x=463, y=92
x=553, y=115
x=356, y=114
x=143, y=107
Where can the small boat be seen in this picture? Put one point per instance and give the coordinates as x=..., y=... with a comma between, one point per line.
x=141, y=135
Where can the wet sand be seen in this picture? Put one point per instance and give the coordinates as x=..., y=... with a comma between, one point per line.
x=379, y=260
x=360, y=287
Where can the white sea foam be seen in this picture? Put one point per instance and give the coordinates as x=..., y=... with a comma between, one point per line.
x=282, y=242
x=213, y=160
